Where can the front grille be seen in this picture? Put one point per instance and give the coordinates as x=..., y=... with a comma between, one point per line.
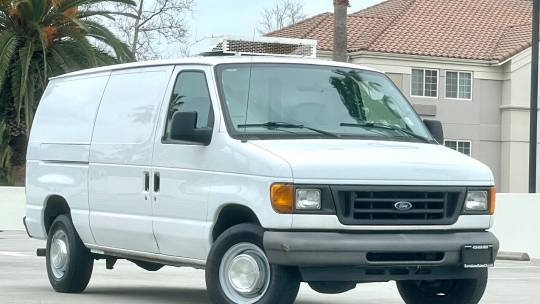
x=377, y=205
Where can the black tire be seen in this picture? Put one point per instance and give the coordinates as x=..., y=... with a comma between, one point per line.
x=284, y=281
x=78, y=268
x=466, y=291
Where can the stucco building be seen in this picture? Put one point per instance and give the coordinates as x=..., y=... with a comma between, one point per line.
x=466, y=63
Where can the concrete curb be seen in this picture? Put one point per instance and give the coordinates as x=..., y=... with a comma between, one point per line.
x=513, y=256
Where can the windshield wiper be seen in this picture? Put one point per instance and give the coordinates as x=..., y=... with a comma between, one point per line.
x=284, y=125
x=378, y=125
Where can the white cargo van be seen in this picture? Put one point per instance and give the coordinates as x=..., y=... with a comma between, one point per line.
x=264, y=171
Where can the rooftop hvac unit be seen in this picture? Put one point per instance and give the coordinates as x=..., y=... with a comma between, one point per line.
x=264, y=46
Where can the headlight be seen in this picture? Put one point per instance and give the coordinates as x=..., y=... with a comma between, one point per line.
x=477, y=201
x=308, y=199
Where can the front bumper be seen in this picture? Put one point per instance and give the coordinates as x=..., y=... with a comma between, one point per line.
x=373, y=249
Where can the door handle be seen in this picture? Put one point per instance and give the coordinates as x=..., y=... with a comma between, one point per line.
x=146, y=181
x=156, y=182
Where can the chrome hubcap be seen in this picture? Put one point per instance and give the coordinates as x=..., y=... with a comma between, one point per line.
x=59, y=254
x=244, y=273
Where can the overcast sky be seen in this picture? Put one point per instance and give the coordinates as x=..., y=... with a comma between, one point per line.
x=240, y=17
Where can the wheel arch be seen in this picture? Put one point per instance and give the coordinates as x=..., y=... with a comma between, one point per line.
x=230, y=215
x=55, y=205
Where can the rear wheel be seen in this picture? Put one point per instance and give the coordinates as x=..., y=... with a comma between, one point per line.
x=69, y=262
x=238, y=271
x=466, y=291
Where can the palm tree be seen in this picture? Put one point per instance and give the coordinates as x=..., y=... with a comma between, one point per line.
x=340, y=30
x=40, y=39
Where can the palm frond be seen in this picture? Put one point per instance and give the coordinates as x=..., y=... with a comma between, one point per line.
x=87, y=3
x=29, y=99
x=104, y=58
x=32, y=10
x=103, y=13
x=67, y=21
x=15, y=86
x=101, y=33
x=59, y=62
x=25, y=57
x=44, y=40
x=8, y=47
x=66, y=57
x=84, y=47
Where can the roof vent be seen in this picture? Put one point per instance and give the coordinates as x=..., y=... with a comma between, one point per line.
x=264, y=46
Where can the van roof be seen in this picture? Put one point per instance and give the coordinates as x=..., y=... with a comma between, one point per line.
x=215, y=60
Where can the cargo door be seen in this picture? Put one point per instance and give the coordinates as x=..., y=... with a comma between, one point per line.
x=120, y=159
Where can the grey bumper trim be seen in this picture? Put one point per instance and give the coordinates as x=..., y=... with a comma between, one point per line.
x=342, y=249
x=25, y=226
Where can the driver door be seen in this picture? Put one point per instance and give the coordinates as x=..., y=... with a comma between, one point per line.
x=181, y=187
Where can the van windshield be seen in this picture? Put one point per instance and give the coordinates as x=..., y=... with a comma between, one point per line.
x=264, y=101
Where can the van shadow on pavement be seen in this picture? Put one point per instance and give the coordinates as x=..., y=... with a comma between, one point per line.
x=152, y=294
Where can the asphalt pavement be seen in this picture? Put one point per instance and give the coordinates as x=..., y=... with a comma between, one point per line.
x=23, y=279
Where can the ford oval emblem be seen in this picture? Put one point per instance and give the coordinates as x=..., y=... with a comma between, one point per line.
x=403, y=206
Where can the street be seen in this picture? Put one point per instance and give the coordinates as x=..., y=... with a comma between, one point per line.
x=23, y=279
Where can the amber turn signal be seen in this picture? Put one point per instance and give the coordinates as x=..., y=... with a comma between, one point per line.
x=282, y=197
x=492, y=195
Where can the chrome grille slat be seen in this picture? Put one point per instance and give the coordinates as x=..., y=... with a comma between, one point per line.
x=430, y=211
x=404, y=199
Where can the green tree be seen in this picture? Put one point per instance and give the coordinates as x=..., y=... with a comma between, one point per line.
x=40, y=39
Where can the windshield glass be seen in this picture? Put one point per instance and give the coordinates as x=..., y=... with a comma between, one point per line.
x=304, y=101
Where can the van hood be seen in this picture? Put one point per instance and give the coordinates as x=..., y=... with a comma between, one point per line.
x=377, y=162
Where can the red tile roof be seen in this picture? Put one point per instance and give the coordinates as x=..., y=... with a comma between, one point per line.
x=466, y=29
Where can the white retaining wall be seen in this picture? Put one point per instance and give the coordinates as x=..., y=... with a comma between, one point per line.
x=12, y=208
x=517, y=220
x=517, y=223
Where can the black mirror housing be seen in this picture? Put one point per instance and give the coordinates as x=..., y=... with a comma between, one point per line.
x=184, y=128
x=436, y=129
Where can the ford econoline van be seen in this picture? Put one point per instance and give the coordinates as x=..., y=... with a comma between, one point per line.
x=264, y=171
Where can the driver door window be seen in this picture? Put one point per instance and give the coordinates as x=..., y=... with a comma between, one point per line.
x=190, y=94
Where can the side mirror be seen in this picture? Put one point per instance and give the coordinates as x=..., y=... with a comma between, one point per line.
x=436, y=129
x=184, y=128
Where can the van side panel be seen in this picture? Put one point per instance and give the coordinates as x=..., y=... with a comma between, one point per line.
x=58, y=150
x=67, y=110
x=127, y=116
x=68, y=180
x=121, y=156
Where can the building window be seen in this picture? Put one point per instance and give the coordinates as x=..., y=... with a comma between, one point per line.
x=424, y=83
x=458, y=85
x=463, y=146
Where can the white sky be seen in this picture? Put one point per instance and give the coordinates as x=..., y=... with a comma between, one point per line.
x=241, y=17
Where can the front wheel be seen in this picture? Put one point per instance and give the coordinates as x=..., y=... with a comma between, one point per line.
x=465, y=291
x=238, y=271
x=69, y=262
